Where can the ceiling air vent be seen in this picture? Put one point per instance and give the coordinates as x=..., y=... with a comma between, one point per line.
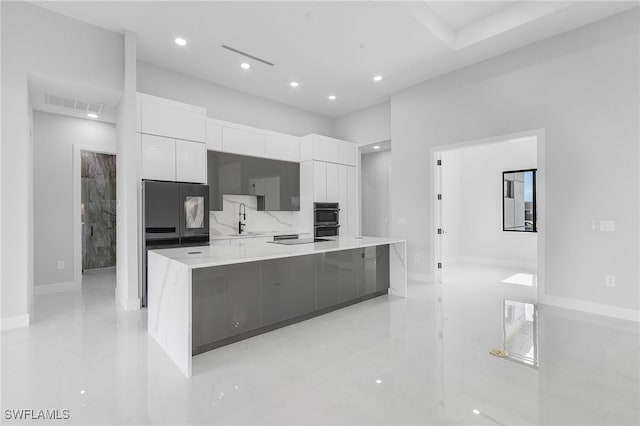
x=245, y=54
x=77, y=104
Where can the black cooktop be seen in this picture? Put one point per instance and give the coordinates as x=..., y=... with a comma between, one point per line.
x=294, y=241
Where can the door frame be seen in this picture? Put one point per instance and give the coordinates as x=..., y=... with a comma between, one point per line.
x=435, y=154
x=77, y=200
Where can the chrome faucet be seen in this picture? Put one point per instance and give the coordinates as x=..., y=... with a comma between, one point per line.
x=242, y=213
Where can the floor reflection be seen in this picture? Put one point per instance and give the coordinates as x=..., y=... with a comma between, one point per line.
x=521, y=279
x=520, y=329
x=570, y=367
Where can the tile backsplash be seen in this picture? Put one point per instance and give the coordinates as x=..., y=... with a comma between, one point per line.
x=225, y=222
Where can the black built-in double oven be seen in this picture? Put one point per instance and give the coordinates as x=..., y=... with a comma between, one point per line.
x=326, y=219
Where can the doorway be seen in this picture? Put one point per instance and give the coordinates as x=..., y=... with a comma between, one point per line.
x=98, y=210
x=375, y=169
x=469, y=209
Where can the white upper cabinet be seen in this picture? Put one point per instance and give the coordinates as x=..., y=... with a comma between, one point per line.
x=158, y=157
x=163, y=117
x=173, y=160
x=282, y=147
x=324, y=150
x=191, y=162
x=348, y=154
x=244, y=142
x=330, y=150
x=214, y=136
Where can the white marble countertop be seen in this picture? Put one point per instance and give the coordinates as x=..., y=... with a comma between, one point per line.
x=251, y=250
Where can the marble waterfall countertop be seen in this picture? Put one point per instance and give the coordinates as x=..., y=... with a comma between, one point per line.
x=251, y=250
x=170, y=292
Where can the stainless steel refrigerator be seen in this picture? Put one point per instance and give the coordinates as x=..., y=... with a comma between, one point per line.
x=173, y=215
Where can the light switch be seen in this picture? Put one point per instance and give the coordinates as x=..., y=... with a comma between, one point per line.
x=607, y=225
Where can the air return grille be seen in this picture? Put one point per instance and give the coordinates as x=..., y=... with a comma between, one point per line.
x=77, y=104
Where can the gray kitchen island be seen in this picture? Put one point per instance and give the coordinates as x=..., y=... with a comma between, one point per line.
x=201, y=298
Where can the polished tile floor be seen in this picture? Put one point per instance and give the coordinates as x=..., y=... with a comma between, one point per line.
x=420, y=360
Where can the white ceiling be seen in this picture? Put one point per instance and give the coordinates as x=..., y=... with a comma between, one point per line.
x=459, y=14
x=332, y=47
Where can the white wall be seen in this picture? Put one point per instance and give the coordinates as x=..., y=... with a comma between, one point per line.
x=364, y=127
x=476, y=203
x=54, y=137
x=375, y=168
x=37, y=41
x=582, y=87
x=228, y=104
x=128, y=188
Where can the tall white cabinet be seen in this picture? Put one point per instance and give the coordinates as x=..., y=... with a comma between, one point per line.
x=328, y=173
x=173, y=140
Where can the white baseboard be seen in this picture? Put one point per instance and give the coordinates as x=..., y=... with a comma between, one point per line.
x=412, y=276
x=452, y=260
x=16, y=321
x=127, y=304
x=106, y=268
x=56, y=287
x=490, y=262
x=591, y=307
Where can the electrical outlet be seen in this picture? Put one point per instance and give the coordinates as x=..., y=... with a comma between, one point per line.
x=60, y=264
x=610, y=281
x=608, y=225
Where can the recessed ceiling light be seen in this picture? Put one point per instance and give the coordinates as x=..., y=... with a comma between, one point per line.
x=332, y=97
x=180, y=41
x=245, y=66
x=376, y=147
x=92, y=115
x=378, y=381
x=476, y=411
x=294, y=84
x=377, y=78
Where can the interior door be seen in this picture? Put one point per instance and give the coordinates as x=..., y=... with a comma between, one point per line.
x=98, y=212
x=438, y=220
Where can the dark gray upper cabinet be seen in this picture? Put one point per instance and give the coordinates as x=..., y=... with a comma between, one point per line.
x=275, y=183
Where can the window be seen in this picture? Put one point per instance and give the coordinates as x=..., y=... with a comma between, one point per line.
x=519, y=201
